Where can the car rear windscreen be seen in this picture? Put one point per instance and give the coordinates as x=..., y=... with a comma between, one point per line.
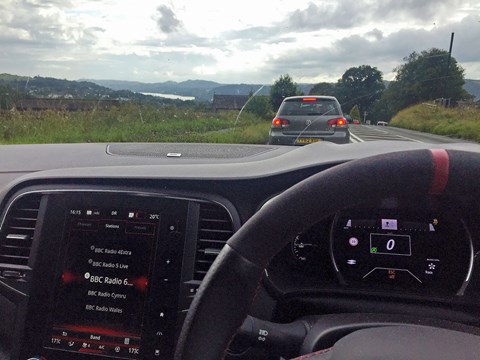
x=301, y=106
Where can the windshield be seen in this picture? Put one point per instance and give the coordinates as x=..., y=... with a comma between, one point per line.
x=309, y=106
x=187, y=71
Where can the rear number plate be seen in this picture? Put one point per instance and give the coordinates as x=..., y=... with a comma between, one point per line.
x=307, y=140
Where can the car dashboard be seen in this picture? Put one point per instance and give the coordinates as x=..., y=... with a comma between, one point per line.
x=103, y=258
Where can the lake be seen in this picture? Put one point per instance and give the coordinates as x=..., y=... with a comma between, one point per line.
x=170, y=96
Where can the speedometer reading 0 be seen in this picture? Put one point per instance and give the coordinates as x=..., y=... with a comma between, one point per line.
x=400, y=249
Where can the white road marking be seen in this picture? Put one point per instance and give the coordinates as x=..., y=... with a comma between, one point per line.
x=355, y=138
x=364, y=133
x=370, y=128
x=407, y=138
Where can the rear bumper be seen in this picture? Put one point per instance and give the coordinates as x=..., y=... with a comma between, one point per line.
x=278, y=138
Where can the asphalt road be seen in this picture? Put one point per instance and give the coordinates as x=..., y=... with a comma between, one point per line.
x=361, y=133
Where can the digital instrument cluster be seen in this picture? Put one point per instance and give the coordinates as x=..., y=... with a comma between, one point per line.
x=412, y=247
x=403, y=249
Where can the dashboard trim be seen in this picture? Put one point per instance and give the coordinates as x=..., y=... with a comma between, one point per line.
x=464, y=286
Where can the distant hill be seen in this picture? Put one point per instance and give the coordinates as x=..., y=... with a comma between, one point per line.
x=46, y=87
x=9, y=77
x=202, y=90
x=240, y=89
x=148, y=87
x=473, y=87
x=195, y=84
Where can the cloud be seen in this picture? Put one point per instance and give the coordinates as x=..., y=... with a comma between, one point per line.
x=375, y=34
x=327, y=16
x=466, y=41
x=175, y=66
x=317, y=41
x=40, y=4
x=181, y=39
x=39, y=39
x=254, y=37
x=167, y=20
x=251, y=33
x=355, y=13
x=171, y=65
x=424, y=10
x=376, y=49
x=32, y=26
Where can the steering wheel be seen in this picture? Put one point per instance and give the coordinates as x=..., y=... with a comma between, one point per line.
x=223, y=300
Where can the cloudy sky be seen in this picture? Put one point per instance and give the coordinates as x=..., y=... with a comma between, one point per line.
x=229, y=41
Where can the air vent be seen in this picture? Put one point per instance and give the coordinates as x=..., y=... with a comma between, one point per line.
x=16, y=236
x=214, y=229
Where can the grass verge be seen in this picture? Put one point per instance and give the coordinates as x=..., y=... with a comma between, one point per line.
x=132, y=123
x=453, y=122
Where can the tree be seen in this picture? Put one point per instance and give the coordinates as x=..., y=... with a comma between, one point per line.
x=388, y=105
x=282, y=88
x=323, y=88
x=361, y=85
x=260, y=106
x=422, y=78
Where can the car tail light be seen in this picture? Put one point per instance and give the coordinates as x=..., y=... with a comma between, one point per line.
x=338, y=122
x=309, y=99
x=277, y=122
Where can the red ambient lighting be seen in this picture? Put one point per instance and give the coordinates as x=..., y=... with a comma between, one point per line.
x=69, y=277
x=140, y=283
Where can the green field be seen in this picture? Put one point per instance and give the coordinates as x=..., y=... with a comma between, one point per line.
x=132, y=123
x=461, y=123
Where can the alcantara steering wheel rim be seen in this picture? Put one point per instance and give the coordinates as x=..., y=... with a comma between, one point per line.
x=224, y=298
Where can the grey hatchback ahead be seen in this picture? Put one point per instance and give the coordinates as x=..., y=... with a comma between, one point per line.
x=303, y=120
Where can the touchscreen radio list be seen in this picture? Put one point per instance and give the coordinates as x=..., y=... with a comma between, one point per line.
x=101, y=295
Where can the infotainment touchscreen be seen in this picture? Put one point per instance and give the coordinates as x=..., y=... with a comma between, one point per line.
x=101, y=295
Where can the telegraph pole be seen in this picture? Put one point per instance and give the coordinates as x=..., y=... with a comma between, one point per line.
x=448, y=69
